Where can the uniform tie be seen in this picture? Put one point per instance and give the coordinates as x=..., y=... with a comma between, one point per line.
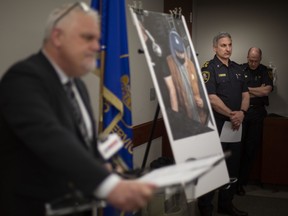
x=77, y=113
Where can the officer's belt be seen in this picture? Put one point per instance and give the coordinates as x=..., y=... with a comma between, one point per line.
x=255, y=105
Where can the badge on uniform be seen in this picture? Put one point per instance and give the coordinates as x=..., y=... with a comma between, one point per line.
x=206, y=76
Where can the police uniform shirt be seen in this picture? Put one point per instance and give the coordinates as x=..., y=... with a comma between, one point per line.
x=255, y=78
x=226, y=82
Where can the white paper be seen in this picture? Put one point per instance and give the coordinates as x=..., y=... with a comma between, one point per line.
x=182, y=173
x=229, y=135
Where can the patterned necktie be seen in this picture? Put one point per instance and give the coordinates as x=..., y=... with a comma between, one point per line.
x=77, y=113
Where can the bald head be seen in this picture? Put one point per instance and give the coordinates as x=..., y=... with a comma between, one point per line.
x=254, y=57
x=255, y=51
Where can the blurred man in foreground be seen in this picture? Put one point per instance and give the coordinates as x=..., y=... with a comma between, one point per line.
x=48, y=135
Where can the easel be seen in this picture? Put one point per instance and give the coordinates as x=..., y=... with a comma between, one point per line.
x=150, y=138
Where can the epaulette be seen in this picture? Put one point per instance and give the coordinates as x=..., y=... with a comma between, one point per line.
x=244, y=66
x=206, y=64
x=235, y=63
x=262, y=67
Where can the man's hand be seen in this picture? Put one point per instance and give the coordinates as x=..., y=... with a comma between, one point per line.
x=236, y=118
x=131, y=195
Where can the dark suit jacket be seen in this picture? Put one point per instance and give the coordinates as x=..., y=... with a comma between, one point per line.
x=42, y=154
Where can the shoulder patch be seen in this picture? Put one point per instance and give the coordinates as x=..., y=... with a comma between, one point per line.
x=270, y=73
x=206, y=76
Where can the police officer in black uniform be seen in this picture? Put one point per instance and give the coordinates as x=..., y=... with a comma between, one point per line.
x=260, y=83
x=229, y=98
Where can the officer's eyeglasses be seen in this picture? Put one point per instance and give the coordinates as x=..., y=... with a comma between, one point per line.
x=82, y=5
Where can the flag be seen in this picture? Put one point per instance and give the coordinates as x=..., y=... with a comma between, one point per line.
x=115, y=88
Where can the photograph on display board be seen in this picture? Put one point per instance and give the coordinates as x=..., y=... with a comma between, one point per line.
x=173, y=63
x=181, y=94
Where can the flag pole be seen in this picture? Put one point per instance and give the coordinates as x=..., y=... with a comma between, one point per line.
x=101, y=72
x=101, y=90
x=114, y=86
x=100, y=211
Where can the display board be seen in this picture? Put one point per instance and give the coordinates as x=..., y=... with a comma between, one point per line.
x=181, y=92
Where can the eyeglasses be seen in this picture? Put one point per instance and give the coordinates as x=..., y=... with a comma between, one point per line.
x=82, y=5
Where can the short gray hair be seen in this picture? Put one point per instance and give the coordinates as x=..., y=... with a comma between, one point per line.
x=63, y=12
x=219, y=36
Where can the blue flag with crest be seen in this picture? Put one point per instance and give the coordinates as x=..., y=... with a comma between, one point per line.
x=114, y=67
